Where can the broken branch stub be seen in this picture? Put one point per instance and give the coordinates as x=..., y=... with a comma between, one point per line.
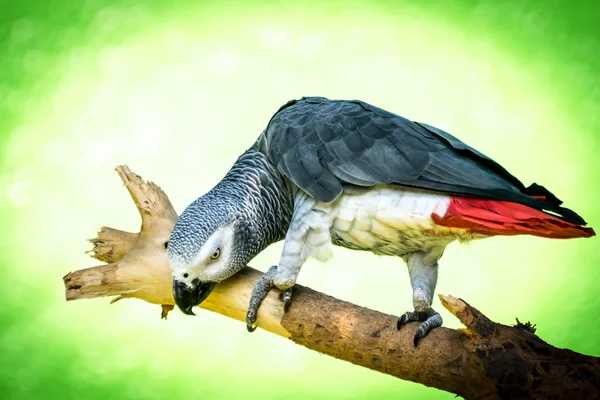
x=477, y=324
x=158, y=215
x=138, y=262
x=111, y=245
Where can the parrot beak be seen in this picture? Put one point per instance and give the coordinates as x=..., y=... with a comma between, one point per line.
x=187, y=296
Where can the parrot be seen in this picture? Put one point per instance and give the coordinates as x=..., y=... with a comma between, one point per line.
x=347, y=173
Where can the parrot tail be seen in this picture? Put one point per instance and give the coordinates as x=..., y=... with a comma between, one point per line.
x=498, y=217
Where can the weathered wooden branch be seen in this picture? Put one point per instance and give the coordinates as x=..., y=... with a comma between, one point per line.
x=484, y=361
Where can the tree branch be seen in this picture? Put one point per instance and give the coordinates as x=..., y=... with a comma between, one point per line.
x=484, y=361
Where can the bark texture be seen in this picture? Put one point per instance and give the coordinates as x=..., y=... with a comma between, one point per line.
x=484, y=361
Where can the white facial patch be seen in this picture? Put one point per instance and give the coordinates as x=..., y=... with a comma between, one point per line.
x=203, y=266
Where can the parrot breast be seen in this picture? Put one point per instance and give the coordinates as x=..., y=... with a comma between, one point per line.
x=392, y=220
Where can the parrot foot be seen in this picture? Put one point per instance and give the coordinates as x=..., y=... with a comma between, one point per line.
x=430, y=319
x=260, y=291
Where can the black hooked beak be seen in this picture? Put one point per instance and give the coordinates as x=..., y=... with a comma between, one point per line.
x=187, y=296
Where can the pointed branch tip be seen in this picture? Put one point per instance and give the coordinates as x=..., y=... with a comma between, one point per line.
x=149, y=198
x=473, y=319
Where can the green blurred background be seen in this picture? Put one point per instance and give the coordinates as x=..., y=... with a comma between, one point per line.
x=177, y=90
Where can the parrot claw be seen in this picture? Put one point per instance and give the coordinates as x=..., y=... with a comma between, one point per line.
x=260, y=291
x=401, y=321
x=407, y=317
x=429, y=321
x=286, y=295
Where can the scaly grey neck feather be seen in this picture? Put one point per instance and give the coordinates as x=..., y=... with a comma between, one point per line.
x=261, y=197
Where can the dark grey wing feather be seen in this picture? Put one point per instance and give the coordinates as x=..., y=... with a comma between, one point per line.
x=319, y=144
x=482, y=158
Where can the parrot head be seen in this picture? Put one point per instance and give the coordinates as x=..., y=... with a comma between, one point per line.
x=206, y=246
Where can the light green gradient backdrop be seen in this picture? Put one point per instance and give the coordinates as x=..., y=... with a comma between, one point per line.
x=178, y=90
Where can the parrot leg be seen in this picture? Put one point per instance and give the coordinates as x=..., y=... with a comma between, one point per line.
x=260, y=291
x=308, y=233
x=423, y=271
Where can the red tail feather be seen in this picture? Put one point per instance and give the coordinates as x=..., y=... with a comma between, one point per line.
x=496, y=217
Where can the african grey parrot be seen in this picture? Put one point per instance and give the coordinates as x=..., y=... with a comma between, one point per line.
x=351, y=174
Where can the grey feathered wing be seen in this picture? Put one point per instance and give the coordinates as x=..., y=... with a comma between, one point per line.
x=319, y=144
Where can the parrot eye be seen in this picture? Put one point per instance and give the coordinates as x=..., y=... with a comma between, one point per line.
x=215, y=254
